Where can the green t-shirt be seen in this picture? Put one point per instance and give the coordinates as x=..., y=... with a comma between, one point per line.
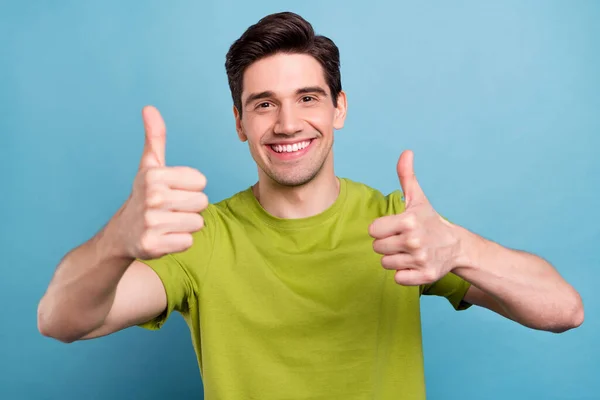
x=299, y=308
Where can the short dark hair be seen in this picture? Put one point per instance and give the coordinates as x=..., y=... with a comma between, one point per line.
x=283, y=32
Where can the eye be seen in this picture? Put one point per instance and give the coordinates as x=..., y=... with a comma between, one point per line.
x=263, y=105
x=307, y=99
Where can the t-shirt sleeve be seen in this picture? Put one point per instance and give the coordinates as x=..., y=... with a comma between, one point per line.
x=450, y=286
x=178, y=287
x=182, y=273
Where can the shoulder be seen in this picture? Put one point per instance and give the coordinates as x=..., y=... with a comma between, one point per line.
x=227, y=209
x=365, y=196
x=219, y=219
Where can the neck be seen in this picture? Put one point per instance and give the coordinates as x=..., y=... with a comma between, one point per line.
x=295, y=202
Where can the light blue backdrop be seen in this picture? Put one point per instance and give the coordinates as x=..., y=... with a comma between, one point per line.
x=500, y=103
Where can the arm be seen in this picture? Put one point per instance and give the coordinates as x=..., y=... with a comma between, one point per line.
x=95, y=292
x=140, y=296
x=516, y=284
x=98, y=288
x=422, y=247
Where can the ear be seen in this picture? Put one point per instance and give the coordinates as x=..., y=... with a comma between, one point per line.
x=238, y=125
x=340, y=111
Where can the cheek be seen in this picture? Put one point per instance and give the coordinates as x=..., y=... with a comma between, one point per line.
x=256, y=126
x=320, y=119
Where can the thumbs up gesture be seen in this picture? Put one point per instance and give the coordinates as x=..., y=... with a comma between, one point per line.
x=418, y=243
x=164, y=207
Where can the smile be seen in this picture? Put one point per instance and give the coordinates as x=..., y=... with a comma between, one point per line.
x=290, y=148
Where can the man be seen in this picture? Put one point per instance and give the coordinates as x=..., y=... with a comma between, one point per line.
x=305, y=285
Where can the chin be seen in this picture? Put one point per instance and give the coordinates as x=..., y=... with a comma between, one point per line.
x=294, y=180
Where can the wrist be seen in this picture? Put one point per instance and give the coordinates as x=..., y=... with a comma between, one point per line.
x=468, y=249
x=110, y=241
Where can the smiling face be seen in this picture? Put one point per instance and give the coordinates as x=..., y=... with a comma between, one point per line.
x=288, y=118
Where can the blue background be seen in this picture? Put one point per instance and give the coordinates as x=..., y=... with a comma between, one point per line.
x=500, y=102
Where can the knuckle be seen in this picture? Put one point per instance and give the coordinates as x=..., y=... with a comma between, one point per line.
x=187, y=241
x=410, y=222
x=154, y=198
x=420, y=258
x=385, y=262
x=149, y=220
x=198, y=222
x=413, y=242
x=201, y=179
x=151, y=176
x=148, y=246
x=376, y=246
x=371, y=229
x=202, y=201
x=430, y=275
x=399, y=279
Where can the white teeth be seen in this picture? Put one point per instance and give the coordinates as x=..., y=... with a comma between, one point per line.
x=289, y=148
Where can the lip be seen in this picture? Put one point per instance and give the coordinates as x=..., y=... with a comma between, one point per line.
x=294, y=155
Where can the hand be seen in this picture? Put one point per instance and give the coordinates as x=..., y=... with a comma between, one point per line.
x=165, y=203
x=418, y=243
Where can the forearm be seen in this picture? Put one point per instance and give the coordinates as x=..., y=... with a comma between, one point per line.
x=526, y=286
x=83, y=287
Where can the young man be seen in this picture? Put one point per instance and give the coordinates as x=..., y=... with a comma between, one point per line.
x=305, y=285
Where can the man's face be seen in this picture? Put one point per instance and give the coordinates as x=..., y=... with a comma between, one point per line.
x=288, y=117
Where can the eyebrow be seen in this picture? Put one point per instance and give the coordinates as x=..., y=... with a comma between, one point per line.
x=267, y=93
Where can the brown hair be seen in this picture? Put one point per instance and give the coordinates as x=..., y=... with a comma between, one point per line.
x=283, y=32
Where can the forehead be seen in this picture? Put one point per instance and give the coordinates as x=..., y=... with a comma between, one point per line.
x=283, y=74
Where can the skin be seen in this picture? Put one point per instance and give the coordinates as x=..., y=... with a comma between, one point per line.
x=423, y=247
x=286, y=100
x=98, y=288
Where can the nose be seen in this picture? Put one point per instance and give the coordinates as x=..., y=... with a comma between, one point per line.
x=288, y=122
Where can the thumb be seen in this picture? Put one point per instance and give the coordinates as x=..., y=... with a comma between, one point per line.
x=413, y=194
x=156, y=138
